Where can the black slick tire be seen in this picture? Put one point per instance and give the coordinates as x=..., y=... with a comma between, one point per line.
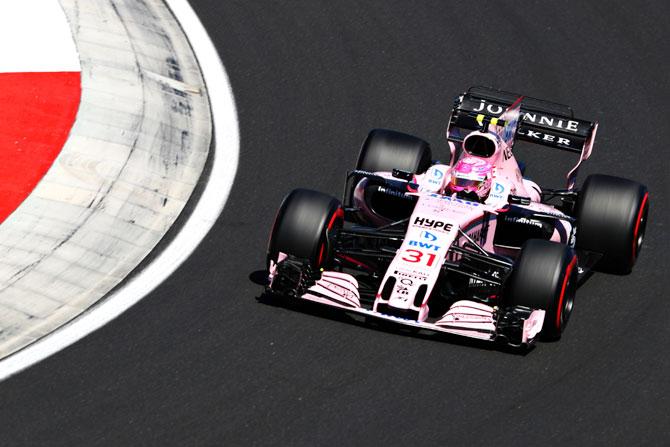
x=611, y=220
x=545, y=277
x=302, y=224
x=386, y=150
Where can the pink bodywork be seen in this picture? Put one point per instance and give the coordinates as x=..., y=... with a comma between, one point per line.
x=438, y=222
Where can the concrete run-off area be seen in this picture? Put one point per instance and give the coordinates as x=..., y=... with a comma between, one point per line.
x=134, y=156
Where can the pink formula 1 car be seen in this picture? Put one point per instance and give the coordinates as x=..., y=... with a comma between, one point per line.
x=470, y=247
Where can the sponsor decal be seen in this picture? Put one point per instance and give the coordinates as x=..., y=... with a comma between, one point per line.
x=402, y=287
x=497, y=192
x=416, y=256
x=425, y=245
x=469, y=318
x=531, y=117
x=476, y=164
x=507, y=153
x=435, y=178
x=412, y=275
x=556, y=123
x=455, y=200
x=524, y=220
x=428, y=235
x=402, y=290
x=393, y=192
x=492, y=109
x=339, y=290
x=545, y=137
x=431, y=223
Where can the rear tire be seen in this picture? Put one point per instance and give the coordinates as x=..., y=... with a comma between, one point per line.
x=386, y=150
x=545, y=277
x=302, y=224
x=611, y=219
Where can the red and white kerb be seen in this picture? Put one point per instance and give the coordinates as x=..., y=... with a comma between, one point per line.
x=40, y=91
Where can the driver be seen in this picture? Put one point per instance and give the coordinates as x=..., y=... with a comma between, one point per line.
x=471, y=179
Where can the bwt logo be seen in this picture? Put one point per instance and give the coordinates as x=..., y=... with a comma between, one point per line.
x=430, y=223
x=425, y=245
x=428, y=235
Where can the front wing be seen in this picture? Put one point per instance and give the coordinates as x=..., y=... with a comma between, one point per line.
x=516, y=326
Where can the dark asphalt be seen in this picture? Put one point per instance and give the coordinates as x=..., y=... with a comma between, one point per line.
x=202, y=362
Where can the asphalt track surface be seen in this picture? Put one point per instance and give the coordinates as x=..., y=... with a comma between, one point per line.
x=201, y=361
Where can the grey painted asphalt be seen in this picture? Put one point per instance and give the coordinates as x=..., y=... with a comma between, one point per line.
x=202, y=362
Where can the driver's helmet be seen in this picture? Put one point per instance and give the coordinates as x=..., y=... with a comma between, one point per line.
x=471, y=175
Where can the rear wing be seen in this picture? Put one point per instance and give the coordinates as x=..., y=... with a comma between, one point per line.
x=542, y=122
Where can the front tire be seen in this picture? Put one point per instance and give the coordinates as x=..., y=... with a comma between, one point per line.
x=545, y=277
x=301, y=227
x=611, y=220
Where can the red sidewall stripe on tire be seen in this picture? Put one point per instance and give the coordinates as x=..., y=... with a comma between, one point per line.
x=37, y=114
x=338, y=215
x=637, y=225
x=568, y=271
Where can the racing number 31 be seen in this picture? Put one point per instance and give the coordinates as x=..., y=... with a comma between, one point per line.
x=416, y=256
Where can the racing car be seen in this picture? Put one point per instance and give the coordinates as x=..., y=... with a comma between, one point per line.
x=469, y=247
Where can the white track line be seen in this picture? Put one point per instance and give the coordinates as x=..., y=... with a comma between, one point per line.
x=198, y=224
